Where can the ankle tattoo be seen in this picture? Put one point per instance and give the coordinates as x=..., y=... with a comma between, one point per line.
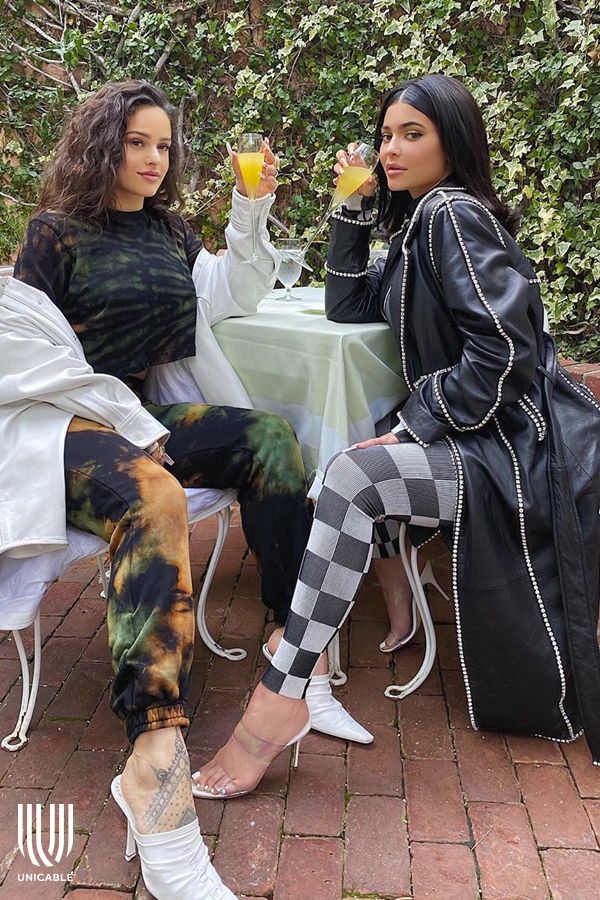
x=188, y=815
x=171, y=781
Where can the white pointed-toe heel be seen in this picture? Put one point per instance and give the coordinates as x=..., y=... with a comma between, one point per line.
x=327, y=714
x=401, y=642
x=427, y=577
x=260, y=749
x=175, y=864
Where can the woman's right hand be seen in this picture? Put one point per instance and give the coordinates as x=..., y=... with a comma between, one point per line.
x=268, y=183
x=389, y=438
x=368, y=187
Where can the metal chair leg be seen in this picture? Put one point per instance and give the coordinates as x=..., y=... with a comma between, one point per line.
x=236, y=653
x=18, y=737
x=337, y=675
x=398, y=691
x=223, y=518
x=103, y=575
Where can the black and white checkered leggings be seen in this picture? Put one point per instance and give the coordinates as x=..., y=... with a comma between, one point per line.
x=413, y=484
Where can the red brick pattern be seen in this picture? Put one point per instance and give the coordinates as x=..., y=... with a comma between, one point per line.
x=431, y=809
x=588, y=373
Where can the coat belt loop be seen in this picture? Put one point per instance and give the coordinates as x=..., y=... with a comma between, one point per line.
x=544, y=371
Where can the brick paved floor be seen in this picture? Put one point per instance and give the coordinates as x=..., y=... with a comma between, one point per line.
x=432, y=809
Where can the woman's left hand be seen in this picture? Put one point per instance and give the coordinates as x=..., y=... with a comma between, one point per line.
x=389, y=438
x=268, y=184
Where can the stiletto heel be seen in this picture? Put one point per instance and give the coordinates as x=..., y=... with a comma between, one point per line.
x=327, y=714
x=427, y=577
x=130, y=848
x=401, y=642
x=296, y=758
x=175, y=864
x=256, y=747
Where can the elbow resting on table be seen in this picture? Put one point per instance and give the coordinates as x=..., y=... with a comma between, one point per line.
x=349, y=312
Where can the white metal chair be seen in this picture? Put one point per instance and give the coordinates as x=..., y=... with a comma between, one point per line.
x=202, y=504
x=18, y=736
x=337, y=676
x=398, y=691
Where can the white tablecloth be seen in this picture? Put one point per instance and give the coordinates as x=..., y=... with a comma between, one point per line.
x=333, y=382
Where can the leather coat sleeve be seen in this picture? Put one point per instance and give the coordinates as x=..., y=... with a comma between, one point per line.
x=353, y=296
x=489, y=301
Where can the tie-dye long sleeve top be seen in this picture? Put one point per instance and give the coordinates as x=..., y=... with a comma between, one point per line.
x=126, y=289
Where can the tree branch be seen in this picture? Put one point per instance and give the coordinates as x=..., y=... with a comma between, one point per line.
x=50, y=62
x=576, y=12
x=38, y=30
x=16, y=200
x=26, y=62
x=165, y=56
x=76, y=86
x=133, y=17
x=51, y=18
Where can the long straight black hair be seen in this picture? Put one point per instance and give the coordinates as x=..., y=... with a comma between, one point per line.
x=455, y=114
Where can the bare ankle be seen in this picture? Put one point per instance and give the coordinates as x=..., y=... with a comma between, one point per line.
x=275, y=639
x=155, y=743
x=156, y=781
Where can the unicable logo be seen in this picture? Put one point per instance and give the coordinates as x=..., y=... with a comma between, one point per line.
x=45, y=848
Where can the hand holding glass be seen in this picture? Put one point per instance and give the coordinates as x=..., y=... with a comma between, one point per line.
x=251, y=159
x=361, y=163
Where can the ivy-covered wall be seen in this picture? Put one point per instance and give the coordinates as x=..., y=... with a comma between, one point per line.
x=309, y=74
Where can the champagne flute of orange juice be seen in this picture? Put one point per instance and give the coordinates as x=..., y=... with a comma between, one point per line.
x=361, y=163
x=251, y=159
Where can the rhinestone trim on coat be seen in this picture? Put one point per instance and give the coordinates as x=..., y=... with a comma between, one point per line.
x=348, y=221
x=402, y=423
x=331, y=271
x=577, y=387
x=405, y=255
x=433, y=536
x=533, y=579
x=460, y=494
x=430, y=238
x=493, y=314
x=531, y=410
x=423, y=378
x=395, y=234
x=467, y=199
x=562, y=740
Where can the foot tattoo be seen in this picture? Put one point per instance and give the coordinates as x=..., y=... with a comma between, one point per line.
x=171, y=805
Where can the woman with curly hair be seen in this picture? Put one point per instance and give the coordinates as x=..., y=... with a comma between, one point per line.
x=104, y=252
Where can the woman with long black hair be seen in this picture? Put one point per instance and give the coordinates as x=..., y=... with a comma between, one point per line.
x=495, y=446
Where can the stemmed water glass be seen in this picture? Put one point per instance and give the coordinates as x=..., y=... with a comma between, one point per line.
x=251, y=159
x=291, y=261
x=361, y=163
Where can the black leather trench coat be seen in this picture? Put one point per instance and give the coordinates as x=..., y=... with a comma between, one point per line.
x=465, y=307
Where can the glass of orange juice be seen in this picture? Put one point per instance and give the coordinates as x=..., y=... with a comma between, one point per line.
x=251, y=159
x=361, y=164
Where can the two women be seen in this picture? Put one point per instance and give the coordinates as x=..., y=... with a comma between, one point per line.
x=495, y=446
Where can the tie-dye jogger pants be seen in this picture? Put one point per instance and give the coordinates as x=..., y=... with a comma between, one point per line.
x=117, y=492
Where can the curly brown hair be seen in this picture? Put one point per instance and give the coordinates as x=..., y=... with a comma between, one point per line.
x=80, y=179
